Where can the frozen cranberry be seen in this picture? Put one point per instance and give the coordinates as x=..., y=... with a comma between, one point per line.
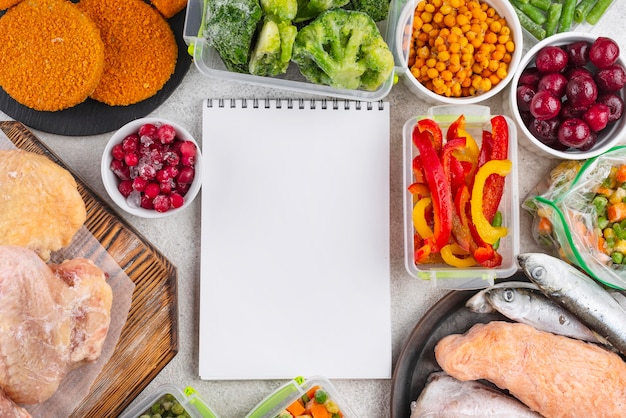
x=148, y=130
x=545, y=130
x=139, y=184
x=187, y=149
x=120, y=169
x=573, y=132
x=581, y=91
x=163, y=176
x=186, y=175
x=555, y=82
x=166, y=187
x=612, y=78
x=603, y=52
x=551, y=59
x=525, y=94
x=182, y=188
x=166, y=134
x=118, y=152
x=545, y=105
x=569, y=111
x=125, y=187
x=161, y=203
x=171, y=158
x=130, y=143
x=146, y=171
x=578, y=52
x=597, y=116
x=529, y=77
x=615, y=104
x=146, y=202
x=131, y=159
x=176, y=200
x=152, y=190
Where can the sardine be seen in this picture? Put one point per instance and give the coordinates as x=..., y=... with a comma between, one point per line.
x=479, y=303
x=446, y=397
x=532, y=307
x=578, y=293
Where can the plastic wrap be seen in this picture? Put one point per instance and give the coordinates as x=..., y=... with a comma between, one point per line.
x=568, y=221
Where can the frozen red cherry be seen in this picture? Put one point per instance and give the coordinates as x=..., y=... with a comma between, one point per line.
x=551, y=59
x=603, y=52
x=545, y=105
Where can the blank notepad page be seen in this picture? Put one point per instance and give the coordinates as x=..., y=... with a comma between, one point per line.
x=295, y=272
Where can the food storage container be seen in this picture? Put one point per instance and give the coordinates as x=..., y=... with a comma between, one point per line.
x=402, y=17
x=443, y=275
x=209, y=63
x=298, y=396
x=607, y=138
x=169, y=395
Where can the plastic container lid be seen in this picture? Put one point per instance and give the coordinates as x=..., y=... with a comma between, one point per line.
x=477, y=118
x=189, y=399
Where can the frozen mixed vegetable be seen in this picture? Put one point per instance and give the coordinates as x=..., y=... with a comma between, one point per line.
x=167, y=406
x=315, y=403
x=272, y=52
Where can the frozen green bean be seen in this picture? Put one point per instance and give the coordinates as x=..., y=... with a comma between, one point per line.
x=567, y=15
x=534, y=13
x=597, y=11
x=541, y=4
x=534, y=29
x=554, y=13
x=582, y=9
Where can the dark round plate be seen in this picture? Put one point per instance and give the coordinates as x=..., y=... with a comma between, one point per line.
x=92, y=117
x=417, y=358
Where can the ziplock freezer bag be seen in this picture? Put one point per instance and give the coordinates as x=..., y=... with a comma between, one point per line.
x=570, y=220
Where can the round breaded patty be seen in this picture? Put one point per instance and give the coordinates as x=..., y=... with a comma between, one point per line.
x=5, y=4
x=51, y=54
x=140, y=50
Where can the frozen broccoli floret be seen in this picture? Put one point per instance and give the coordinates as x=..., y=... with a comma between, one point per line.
x=282, y=9
x=272, y=52
x=376, y=9
x=310, y=9
x=230, y=28
x=343, y=49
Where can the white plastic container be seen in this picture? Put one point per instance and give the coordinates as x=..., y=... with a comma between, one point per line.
x=209, y=63
x=188, y=398
x=278, y=401
x=442, y=275
x=402, y=18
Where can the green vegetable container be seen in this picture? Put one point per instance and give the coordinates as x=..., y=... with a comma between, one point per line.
x=168, y=401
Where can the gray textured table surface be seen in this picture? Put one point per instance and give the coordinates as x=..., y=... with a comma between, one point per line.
x=178, y=238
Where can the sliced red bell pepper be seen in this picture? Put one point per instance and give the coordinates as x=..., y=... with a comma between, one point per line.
x=434, y=131
x=452, y=167
x=487, y=257
x=439, y=189
x=494, y=186
x=418, y=171
x=460, y=221
x=486, y=148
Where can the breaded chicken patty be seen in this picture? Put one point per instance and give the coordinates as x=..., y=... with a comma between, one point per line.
x=51, y=54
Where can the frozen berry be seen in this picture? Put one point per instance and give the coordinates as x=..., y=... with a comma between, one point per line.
x=603, y=52
x=530, y=77
x=130, y=143
x=612, y=78
x=121, y=170
x=545, y=105
x=590, y=142
x=597, y=116
x=176, y=200
x=186, y=175
x=139, y=184
x=146, y=202
x=551, y=59
x=166, y=134
x=581, y=91
x=118, y=152
x=578, y=52
x=525, y=94
x=574, y=71
x=148, y=130
x=573, y=132
x=615, y=104
x=152, y=190
x=131, y=159
x=161, y=203
x=125, y=187
x=569, y=111
x=555, y=82
x=545, y=130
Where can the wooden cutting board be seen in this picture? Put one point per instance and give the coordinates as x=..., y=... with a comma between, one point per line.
x=149, y=339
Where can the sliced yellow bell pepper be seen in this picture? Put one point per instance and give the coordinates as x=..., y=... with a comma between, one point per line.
x=487, y=232
x=449, y=255
x=419, y=218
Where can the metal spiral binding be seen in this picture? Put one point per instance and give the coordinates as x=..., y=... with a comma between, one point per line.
x=301, y=103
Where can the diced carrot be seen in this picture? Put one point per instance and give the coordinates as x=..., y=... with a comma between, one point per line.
x=319, y=411
x=311, y=392
x=606, y=191
x=601, y=243
x=544, y=227
x=621, y=174
x=616, y=212
x=296, y=409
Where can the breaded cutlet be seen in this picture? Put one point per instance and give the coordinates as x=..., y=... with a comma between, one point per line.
x=140, y=50
x=51, y=54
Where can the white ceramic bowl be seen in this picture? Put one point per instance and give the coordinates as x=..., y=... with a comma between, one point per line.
x=111, y=181
x=405, y=21
x=607, y=138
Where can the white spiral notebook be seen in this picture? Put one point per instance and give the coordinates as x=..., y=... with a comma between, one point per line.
x=295, y=269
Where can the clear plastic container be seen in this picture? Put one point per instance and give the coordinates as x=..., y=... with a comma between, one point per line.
x=209, y=63
x=274, y=405
x=188, y=398
x=443, y=275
